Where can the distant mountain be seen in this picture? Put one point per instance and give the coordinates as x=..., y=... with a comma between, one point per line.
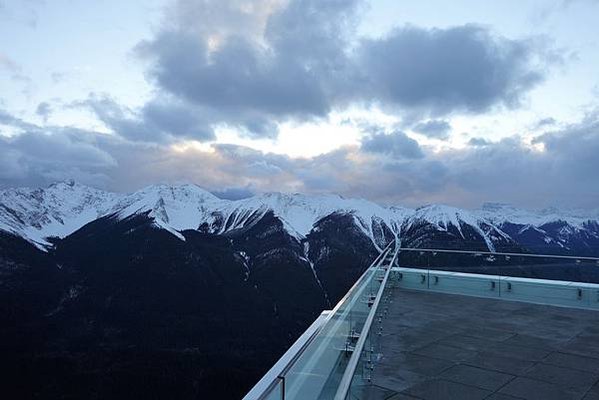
x=59, y=210
x=172, y=292
x=548, y=231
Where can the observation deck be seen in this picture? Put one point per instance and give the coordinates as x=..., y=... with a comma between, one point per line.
x=411, y=328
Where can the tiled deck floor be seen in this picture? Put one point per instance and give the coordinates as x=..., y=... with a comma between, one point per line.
x=441, y=346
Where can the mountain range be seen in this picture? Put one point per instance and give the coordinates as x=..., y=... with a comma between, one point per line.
x=38, y=215
x=172, y=292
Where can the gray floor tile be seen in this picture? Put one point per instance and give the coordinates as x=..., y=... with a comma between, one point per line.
x=499, y=396
x=401, y=396
x=499, y=363
x=519, y=352
x=411, y=338
x=370, y=392
x=441, y=389
x=562, y=376
x=490, y=334
x=591, y=329
x=533, y=341
x=474, y=376
x=592, y=394
x=573, y=361
x=560, y=334
x=466, y=342
x=412, y=362
x=396, y=379
x=537, y=390
x=500, y=324
x=444, y=352
x=584, y=346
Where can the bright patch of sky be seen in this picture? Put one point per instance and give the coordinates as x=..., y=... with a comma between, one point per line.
x=61, y=50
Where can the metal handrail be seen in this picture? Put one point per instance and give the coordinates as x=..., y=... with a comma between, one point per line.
x=281, y=376
x=376, y=263
x=333, y=311
x=491, y=253
x=350, y=370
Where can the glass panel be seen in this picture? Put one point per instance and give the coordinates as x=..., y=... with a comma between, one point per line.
x=361, y=384
x=318, y=370
x=526, y=266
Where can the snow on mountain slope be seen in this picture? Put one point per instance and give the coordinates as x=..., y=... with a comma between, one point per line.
x=64, y=207
x=444, y=217
x=499, y=213
x=57, y=210
x=300, y=212
x=547, y=230
x=174, y=208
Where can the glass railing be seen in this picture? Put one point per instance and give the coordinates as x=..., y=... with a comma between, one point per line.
x=316, y=371
x=523, y=265
x=360, y=377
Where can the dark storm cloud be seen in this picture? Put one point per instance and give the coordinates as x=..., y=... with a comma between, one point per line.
x=306, y=60
x=564, y=173
x=44, y=110
x=38, y=156
x=545, y=122
x=436, y=128
x=158, y=121
x=72, y=147
x=234, y=193
x=479, y=142
x=245, y=83
x=177, y=120
x=8, y=119
x=463, y=68
x=239, y=77
x=396, y=144
x=573, y=153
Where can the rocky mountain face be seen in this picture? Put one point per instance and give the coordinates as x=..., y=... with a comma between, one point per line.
x=38, y=215
x=171, y=292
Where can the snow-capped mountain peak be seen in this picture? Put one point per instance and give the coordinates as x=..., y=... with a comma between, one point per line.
x=57, y=210
x=500, y=213
x=173, y=207
x=64, y=207
x=443, y=216
x=300, y=212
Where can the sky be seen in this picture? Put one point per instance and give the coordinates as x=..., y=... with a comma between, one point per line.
x=405, y=103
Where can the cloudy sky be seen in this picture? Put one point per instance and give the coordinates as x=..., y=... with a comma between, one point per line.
x=408, y=103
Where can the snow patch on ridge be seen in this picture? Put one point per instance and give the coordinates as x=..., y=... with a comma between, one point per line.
x=64, y=207
x=57, y=210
